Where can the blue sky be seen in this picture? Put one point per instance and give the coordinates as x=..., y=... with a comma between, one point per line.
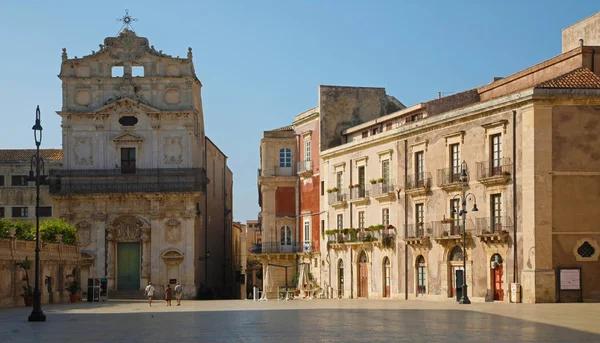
x=260, y=62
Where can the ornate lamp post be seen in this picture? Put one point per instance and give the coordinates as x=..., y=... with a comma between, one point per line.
x=464, y=179
x=37, y=315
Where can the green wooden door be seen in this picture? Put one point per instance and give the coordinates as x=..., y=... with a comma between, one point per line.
x=128, y=266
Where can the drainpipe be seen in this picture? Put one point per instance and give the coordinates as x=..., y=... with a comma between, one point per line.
x=514, y=152
x=593, y=57
x=405, y=221
x=351, y=264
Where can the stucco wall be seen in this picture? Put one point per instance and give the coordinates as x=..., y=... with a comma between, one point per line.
x=587, y=29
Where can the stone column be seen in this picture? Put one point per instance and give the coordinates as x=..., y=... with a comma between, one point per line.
x=110, y=258
x=154, y=245
x=145, y=255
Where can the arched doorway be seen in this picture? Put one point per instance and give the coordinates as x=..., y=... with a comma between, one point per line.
x=386, y=277
x=363, y=276
x=497, y=271
x=421, y=276
x=456, y=271
x=341, y=278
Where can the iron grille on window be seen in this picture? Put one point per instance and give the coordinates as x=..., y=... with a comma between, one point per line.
x=586, y=250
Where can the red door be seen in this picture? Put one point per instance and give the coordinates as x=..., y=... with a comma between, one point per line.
x=362, y=280
x=498, y=292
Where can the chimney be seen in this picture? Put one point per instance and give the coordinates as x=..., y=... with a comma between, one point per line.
x=581, y=42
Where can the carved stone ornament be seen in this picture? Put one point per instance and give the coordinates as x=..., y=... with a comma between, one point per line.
x=84, y=232
x=173, y=231
x=172, y=256
x=127, y=228
x=83, y=151
x=173, y=151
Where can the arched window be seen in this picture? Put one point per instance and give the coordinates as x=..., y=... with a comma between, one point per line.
x=457, y=254
x=421, y=276
x=286, y=235
x=387, y=274
x=285, y=158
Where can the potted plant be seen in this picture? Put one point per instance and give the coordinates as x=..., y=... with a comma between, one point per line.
x=390, y=227
x=329, y=190
x=357, y=186
x=373, y=181
x=380, y=180
x=446, y=220
x=27, y=289
x=350, y=186
x=73, y=285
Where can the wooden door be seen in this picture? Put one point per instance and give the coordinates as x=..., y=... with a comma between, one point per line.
x=128, y=266
x=363, y=282
x=386, y=278
x=456, y=279
x=341, y=279
x=498, y=291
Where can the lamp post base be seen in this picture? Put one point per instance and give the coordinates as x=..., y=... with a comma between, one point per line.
x=464, y=299
x=37, y=316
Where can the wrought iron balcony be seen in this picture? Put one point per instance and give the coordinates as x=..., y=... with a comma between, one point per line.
x=304, y=168
x=418, y=230
x=418, y=184
x=277, y=248
x=449, y=179
x=358, y=193
x=494, y=225
x=495, y=172
x=96, y=181
x=446, y=228
x=384, y=189
x=337, y=198
x=276, y=171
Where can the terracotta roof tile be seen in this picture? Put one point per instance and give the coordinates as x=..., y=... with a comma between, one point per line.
x=284, y=128
x=24, y=155
x=582, y=78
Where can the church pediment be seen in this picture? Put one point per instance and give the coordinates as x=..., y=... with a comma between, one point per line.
x=126, y=106
x=128, y=138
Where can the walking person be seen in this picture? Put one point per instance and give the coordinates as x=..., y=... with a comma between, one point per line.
x=178, y=293
x=168, y=294
x=149, y=293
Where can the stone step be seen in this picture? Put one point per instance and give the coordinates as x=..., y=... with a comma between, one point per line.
x=117, y=294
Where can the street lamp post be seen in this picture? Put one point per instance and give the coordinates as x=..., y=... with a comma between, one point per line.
x=464, y=179
x=37, y=315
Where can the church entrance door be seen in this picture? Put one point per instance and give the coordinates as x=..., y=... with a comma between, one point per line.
x=128, y=266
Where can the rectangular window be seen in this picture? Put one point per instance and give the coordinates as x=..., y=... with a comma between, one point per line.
x=496, y=154
x=388, y=126
x=339, y=177
x=374, y=131
x=361, y=219
x=127, y=160
x=2, y=212
x=307, y=149
x=496, y=211
x=322, y=188
x=419, y=220
x=419, y=168
x=1, y=180
x=365, y=134
x=306, y=231
x=455, y=162
x=385, y=216
x=361, y=181
x=340, y=221
x=20, y=212
x=322, y=227
x=385, y=170
x=18, y=180
x=45, y=211
x=285, y=158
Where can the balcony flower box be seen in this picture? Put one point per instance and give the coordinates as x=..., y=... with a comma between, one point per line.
x=373, y=181
x=357, y=186
x=380, y=180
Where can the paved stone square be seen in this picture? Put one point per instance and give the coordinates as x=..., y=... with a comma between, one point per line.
x=304, y=321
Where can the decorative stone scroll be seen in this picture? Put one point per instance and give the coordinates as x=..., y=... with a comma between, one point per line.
x=127, y=228
x=172, y=256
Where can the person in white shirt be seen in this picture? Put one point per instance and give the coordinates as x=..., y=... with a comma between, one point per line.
x=178, y=293
x=149, y=292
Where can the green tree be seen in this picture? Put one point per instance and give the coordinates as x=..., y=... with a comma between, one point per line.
x=24, y=229
x=49, y=228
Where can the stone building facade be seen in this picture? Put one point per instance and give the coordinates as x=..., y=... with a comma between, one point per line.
x=392, y=188
x=135, y=165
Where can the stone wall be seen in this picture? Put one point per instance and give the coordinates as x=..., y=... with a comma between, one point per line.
x=56, y=261
x=588, y=29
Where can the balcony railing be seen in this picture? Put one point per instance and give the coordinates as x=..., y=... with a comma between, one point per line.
x=358, y=193
x=336, y=197
x=304, y=167
x=419, y=180
x=448, y=176
x=487, y=169
x=355, y=236
x=446, y=228
x=277, y=248
x=308, y=247
x=494, y=225
x=276, y=171
x=94, y=181
x=383, y=188
x=418, y=230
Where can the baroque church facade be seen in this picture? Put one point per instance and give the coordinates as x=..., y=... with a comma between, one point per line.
x=134, y=171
